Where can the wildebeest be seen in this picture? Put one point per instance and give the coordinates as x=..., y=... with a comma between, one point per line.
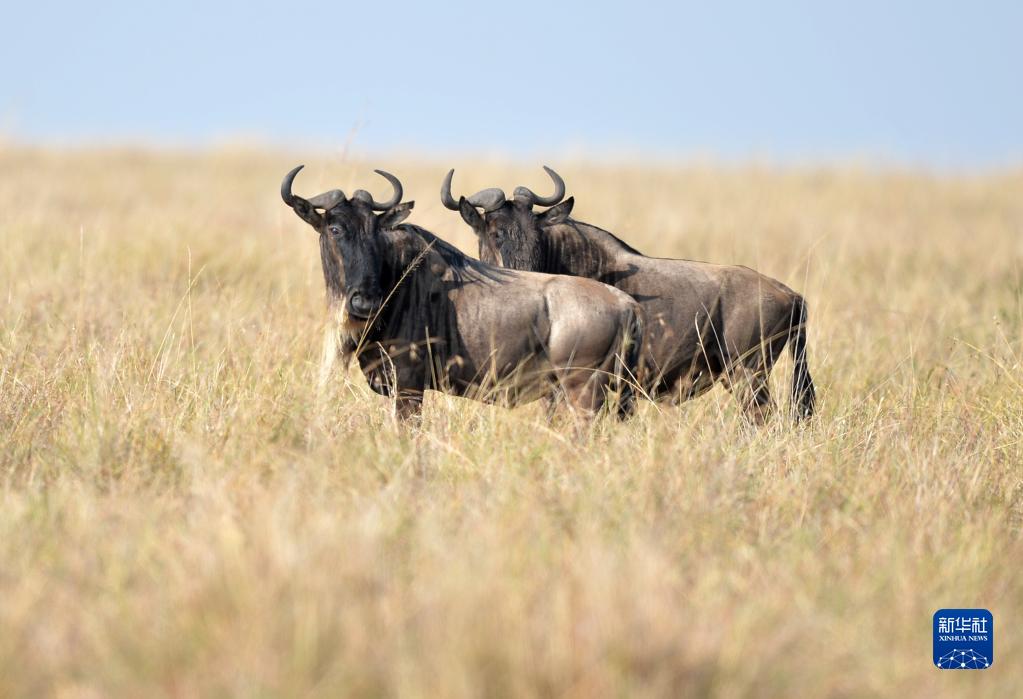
x=703, y=321
x=418, y=314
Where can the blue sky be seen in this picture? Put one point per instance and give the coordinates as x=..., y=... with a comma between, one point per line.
x=937, y=83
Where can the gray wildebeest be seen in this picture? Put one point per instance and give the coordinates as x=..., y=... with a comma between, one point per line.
x=419, y=314
x=704, y=322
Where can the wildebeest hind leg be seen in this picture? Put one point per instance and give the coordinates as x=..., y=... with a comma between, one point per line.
x=753, y=393
x=408, y=410
x=748, y=379
x=551, y=401
x=748, y=382
x=584, y=390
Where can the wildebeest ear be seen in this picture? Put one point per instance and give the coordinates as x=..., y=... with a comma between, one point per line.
x=307, y=212
x=470, y=215
x=557, y=214
x=395, y=215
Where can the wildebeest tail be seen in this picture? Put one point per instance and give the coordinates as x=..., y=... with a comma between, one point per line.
x=627, y=367
x=803, y=394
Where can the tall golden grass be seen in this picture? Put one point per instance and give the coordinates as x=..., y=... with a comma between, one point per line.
x=183, y=513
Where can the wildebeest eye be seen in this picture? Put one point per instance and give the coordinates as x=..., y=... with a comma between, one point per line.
x=334, y=230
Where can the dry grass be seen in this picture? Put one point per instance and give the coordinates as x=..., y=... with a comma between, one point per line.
x=182, y=514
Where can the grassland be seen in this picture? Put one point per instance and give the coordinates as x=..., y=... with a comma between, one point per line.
x=182, y=513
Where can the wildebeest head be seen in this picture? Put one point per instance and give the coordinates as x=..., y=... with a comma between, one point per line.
x=350, y=245
x=509, y=230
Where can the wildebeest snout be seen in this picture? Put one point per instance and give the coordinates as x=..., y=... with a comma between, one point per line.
x=362, y=306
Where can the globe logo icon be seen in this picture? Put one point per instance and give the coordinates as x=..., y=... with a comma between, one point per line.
x=962, y=660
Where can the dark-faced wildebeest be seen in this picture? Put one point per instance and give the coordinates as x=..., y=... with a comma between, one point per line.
x=418, y=314
x=703, y=321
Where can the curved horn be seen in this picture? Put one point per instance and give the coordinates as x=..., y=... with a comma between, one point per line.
x=530, y=197
x=286, y=194
x=394, y=200
x=328, y=200
x=445, y=192
x=324, y=201
x=488, y=199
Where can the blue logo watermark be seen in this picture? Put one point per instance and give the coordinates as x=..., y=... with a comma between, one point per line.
x=964, y=639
